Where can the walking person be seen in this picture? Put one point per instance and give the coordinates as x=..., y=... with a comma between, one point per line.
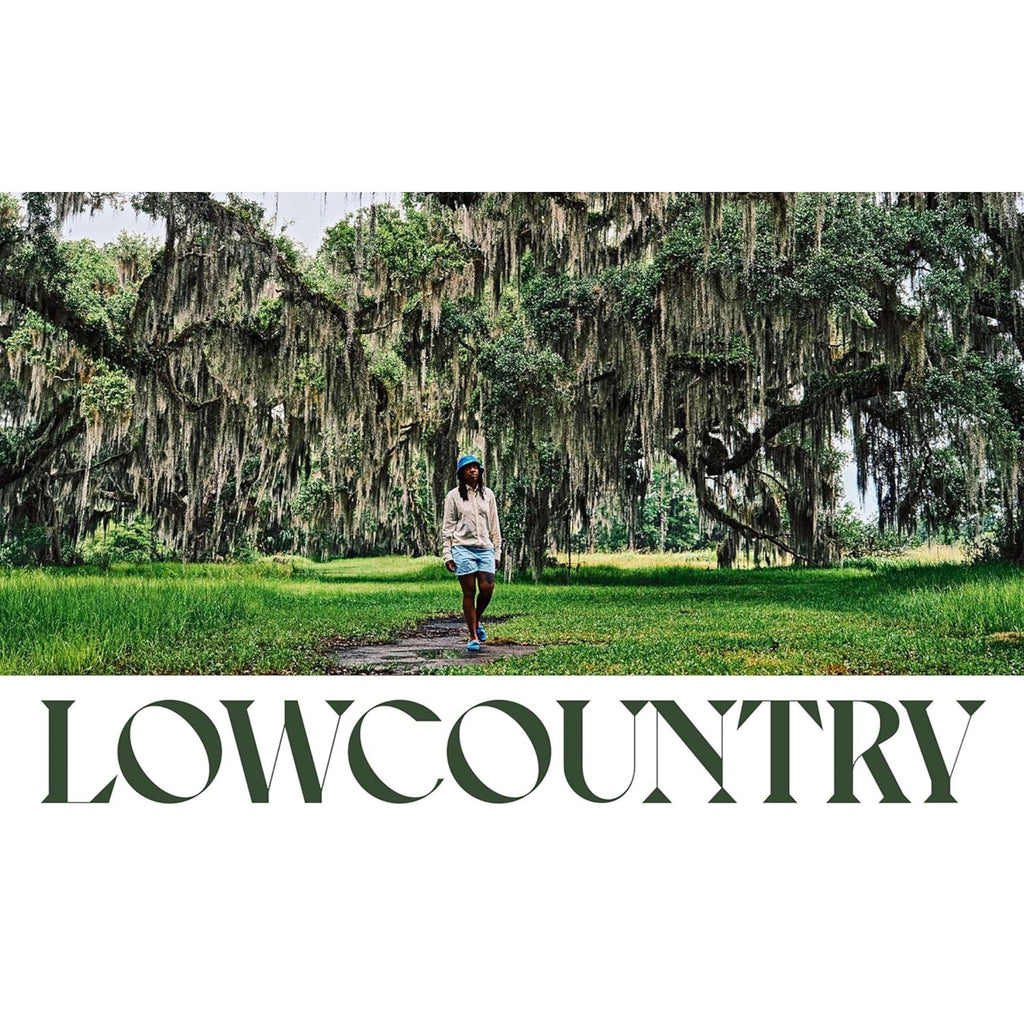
x=471, y=538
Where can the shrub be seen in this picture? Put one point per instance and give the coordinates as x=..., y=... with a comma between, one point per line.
x=133, y=541
x=24, y=547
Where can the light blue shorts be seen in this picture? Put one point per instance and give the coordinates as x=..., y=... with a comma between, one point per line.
x=473, y=559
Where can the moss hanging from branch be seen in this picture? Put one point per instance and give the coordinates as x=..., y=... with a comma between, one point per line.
x=574, y=339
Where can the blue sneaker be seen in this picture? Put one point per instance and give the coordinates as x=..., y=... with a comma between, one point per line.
x=473, y=645
x=480, y=634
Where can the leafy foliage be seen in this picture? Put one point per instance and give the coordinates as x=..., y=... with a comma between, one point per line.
x=131, y=542
x=109, y=391
x=583, y=341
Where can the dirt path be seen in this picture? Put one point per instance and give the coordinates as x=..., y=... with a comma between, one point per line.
x=434, y=643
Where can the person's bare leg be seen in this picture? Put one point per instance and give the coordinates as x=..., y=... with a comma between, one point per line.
x=468, y=584
x=486, y=581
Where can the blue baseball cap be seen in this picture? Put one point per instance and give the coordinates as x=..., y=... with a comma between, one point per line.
x=467, y=460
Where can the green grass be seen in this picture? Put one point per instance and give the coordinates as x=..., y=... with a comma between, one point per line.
x=620, y=614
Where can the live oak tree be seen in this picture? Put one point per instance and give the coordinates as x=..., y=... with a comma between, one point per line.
x=194, y=382
x=743, y=335
x=238, y=391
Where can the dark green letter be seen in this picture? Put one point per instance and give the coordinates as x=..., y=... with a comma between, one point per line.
x=298, y=742
x=58, y=758
x=361, y=770
x=778, y=726
x=709, y=758
x=140, y=781
x=572, y=755
x=535, y=732
x=889, y=722
x=941, y=777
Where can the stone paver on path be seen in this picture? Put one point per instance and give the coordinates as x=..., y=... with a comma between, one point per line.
x=436, y=643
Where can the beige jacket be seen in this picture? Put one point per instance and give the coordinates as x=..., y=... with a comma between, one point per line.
x=472, y=523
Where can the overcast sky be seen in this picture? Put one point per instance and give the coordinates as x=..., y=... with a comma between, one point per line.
x=305, y=215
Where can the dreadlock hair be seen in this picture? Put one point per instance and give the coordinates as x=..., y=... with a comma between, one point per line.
x=463, y=491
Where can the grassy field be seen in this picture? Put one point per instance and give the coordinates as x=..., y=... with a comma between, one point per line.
x=629, y=614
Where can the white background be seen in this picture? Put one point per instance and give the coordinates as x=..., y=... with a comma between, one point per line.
x=549, y=909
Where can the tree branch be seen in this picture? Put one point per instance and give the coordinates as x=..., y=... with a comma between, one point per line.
x=716, y=512
x=46, y=442
x=854, y=386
